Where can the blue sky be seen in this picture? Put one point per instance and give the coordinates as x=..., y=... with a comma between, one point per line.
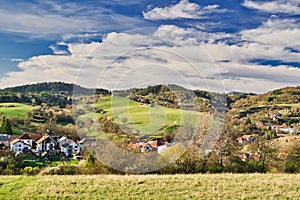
x=232, y=45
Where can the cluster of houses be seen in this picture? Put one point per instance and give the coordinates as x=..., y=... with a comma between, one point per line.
x=280, y=129
x=143, y=146
x=41, y=145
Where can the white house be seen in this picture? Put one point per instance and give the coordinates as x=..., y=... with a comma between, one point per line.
x=46, y=143
x=21, y=143
x=19, y=146
x=68, y=146
x=26, y=139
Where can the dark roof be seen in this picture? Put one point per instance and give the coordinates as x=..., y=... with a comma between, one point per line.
x=65, y=145
x=4, y=137
x=36, y=137
x=24, y=136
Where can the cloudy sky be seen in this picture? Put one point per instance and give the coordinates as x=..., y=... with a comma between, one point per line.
x=217, y=45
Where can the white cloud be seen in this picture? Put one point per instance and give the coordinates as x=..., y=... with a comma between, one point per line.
x=17, y=60
x=276, y=35
x=184, y=9
x=50, y=20
x=275, y=6
x=57, y=51
x=169, y=54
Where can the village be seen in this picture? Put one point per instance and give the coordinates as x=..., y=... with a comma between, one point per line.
x=43, y=146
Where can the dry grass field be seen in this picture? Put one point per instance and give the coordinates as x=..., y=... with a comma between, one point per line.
x=200, y=186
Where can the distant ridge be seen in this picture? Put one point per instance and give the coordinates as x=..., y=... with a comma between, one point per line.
x=54, y=88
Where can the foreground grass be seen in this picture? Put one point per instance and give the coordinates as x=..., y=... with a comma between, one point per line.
x=203, y=186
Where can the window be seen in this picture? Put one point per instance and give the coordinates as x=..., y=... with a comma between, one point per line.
x=19, y=145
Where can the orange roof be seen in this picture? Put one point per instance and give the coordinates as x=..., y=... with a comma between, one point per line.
x=44, y=138
x=284, y=125
x=153, y=143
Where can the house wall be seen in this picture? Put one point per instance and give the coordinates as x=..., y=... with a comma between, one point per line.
x=19, y=147
x=74, y=147
x=45, y=146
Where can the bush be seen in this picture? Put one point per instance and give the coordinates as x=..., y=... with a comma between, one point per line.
x=292, y=164
x=61, y=170
x=30, y=171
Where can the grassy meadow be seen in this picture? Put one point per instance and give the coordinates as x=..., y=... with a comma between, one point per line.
x=139, y=116
x=200, y=186
x=18, y=110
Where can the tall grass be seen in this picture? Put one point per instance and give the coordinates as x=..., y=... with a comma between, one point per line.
x=200, y=186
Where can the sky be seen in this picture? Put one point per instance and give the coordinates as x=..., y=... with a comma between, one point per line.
x=215, y=45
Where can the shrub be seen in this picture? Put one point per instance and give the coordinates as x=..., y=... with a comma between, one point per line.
x=30, y=171
x=61, y=170
x=292, y=164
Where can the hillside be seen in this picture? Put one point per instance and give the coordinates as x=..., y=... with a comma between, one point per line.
x=287, y=95
x=174, y=96
x=51, y=93
x=53, y=88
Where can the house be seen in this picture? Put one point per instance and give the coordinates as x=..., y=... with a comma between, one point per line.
x=247, y=156
x=19, y=146
x=163, y=147
x=68, y=147
x=21, y=143
x=26, y=139
x=146, y=148
x=4, y=141
x=46, y=143
x=288, y=130
x=245, y=139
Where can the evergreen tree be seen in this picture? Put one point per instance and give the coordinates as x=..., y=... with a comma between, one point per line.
x=5, y=125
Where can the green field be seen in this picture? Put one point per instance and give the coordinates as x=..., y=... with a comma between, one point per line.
x=17, y=110
x=293, y=105
x=203, y=186
x=146, y=119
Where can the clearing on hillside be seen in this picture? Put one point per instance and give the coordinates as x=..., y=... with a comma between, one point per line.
x=18, y=110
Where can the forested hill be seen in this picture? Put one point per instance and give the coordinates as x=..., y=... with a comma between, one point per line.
x=287, y=95
x=52, y=93
x=53, y=88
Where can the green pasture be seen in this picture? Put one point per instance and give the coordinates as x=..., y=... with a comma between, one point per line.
x=17, y=110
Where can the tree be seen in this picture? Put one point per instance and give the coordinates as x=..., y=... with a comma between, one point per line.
x=265, y=151
x=90, y=161
x=5, y=125
x=13, y=167
x=292, y=162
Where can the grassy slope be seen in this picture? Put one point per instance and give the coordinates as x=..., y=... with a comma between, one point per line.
x=19, y=110
x=140, y=116
x=205, y=186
